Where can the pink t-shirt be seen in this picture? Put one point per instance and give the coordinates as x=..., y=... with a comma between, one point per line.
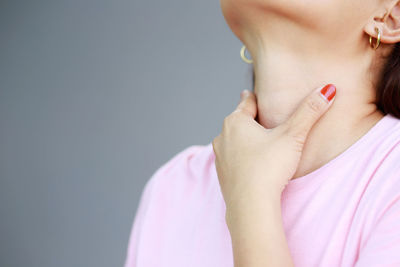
x=346, y=213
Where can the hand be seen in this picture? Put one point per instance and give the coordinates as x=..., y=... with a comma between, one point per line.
x=252, y=161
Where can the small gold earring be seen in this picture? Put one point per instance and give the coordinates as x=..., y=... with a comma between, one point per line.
x=244, y=58
x=378, y=39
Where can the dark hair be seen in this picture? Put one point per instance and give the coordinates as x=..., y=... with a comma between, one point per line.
x=388, y=87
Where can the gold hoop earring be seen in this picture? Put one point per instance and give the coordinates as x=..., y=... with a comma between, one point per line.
x=378, y=39
x=244, y=58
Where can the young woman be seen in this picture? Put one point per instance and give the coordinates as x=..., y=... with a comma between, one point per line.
x=306, y=169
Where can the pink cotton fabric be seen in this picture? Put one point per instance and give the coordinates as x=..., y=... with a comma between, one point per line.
x=346, y=213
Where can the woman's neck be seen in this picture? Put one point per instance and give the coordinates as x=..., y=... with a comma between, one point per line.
x=284, y=77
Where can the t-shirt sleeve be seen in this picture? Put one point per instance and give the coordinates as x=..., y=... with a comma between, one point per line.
x=382, y=247
x=149, y=204
x=138, y=221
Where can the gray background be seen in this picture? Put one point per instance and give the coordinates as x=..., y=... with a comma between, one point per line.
x=94, y=97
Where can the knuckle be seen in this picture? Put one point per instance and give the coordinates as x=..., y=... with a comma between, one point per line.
x=229, y=119
x=297, y=139
x=315, y=105
x=238, y=109
x=225, y=123
x=215, y=143
x=297, y=134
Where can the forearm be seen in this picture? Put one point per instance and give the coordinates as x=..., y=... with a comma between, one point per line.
x=257, y=233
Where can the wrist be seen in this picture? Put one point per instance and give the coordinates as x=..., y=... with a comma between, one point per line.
x=253, y=208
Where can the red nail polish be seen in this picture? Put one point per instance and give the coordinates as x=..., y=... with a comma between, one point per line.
x=328, y=91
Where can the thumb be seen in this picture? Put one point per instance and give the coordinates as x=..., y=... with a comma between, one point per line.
x=309, y=111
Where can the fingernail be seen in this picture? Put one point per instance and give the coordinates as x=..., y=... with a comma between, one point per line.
x=244, y=93
x=328, y=92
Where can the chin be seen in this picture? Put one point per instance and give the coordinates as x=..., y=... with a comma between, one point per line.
x=304, y=12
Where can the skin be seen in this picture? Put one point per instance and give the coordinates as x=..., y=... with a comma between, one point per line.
x=296, y=46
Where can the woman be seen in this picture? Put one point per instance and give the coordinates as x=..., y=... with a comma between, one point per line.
x=306, y=169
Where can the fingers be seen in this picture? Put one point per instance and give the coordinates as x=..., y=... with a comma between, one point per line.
x=309, y=111
x=247, y=104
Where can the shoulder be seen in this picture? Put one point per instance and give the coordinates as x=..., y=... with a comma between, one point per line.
x=381, y=231
x=171, y=198
x=386, y=155
x=192, y=166
x=385, y=160
x=381, y=154
x=191, y=161
x=382, y=190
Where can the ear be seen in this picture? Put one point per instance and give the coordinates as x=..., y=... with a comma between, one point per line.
x=388, y=23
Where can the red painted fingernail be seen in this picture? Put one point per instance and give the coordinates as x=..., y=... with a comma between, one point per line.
x=328, y=92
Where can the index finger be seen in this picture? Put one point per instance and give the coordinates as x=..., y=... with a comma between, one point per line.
x=247, y=104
